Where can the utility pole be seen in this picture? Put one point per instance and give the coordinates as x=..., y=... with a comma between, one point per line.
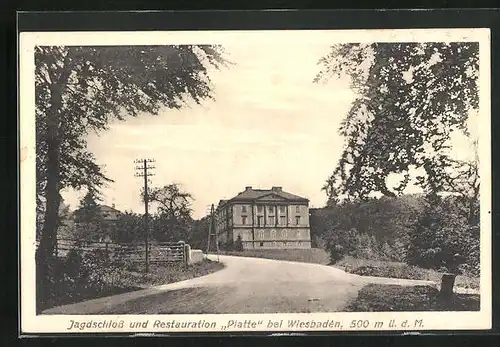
x=212, y=231
x=142, y=171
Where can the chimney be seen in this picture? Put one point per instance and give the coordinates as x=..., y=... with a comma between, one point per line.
x=277, y=189
x=248, y=188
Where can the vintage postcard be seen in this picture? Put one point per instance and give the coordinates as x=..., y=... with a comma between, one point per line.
x=255, y=181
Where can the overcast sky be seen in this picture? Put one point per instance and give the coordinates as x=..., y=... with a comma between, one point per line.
x=269, y=126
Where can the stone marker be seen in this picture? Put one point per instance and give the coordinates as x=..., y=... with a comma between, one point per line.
x=447, y=283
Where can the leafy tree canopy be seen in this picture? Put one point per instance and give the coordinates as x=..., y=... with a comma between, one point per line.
x=173, y=221
x=410, y=97
x=82, y=88
x=171, y=200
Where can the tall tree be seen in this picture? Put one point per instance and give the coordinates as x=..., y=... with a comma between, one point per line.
x=89, y=219
x=173, y=220
x=81, y=88
x=410, y=98
x=129, y=228
x=198, y=237
x=171, y=199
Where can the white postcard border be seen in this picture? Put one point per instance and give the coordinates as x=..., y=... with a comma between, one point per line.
x=32, y=324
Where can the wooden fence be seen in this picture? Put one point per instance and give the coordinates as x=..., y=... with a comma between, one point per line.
x=158, y=252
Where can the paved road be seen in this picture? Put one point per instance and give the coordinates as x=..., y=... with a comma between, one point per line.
x=245, y=285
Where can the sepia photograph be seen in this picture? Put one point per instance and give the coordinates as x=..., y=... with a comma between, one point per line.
x=255, y=181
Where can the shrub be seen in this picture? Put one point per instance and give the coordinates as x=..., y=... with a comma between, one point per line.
x=365, y=247
x=400, y=271
x=49, y=287
x=318, y=242
x=238, y=244
x=341, y=243
x=337, y=253
x=428, y=233
x=369, y=224
x=441, y=239
x=78, y=276
x=228, y=245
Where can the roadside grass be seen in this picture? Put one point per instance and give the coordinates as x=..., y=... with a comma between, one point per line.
x=386, y=298
x=377, y=268
x=311, y=255
x=68, y=290
x=160, y=274
x=73, y=295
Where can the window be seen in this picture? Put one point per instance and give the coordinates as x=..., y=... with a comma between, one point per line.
x=271, y=220
x=270, y=209
x=284, y=234
x=260, y=208
x=261, y=234
x=244, y=209
x=297, y=209
x=243, y=219
x=273, y=234
x=262, y=244
x=282, y=209
x=283, y=220
x=259, y=221
x=297, y=220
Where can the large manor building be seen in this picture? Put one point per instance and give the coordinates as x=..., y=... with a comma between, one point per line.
x=264, y=219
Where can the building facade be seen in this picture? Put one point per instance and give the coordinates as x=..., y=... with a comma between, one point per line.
x=264, y=219
x=109, y=214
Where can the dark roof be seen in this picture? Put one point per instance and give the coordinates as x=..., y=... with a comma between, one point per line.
x=221, y=203
x=253, y=194
x=106, y=208
x=108, y=212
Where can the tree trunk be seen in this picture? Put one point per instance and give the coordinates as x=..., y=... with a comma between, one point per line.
x=431, y=188
x=48, y=238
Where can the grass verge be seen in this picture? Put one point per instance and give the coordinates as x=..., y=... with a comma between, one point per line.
x=385, y=298
x=311, y=255
x=163, y=274
x=389, y=269
x=67, y=290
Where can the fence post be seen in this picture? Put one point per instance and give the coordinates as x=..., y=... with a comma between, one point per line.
x=187, y=254
x=182, y=246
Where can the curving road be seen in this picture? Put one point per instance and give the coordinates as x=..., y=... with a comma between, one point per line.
x=245, y=285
